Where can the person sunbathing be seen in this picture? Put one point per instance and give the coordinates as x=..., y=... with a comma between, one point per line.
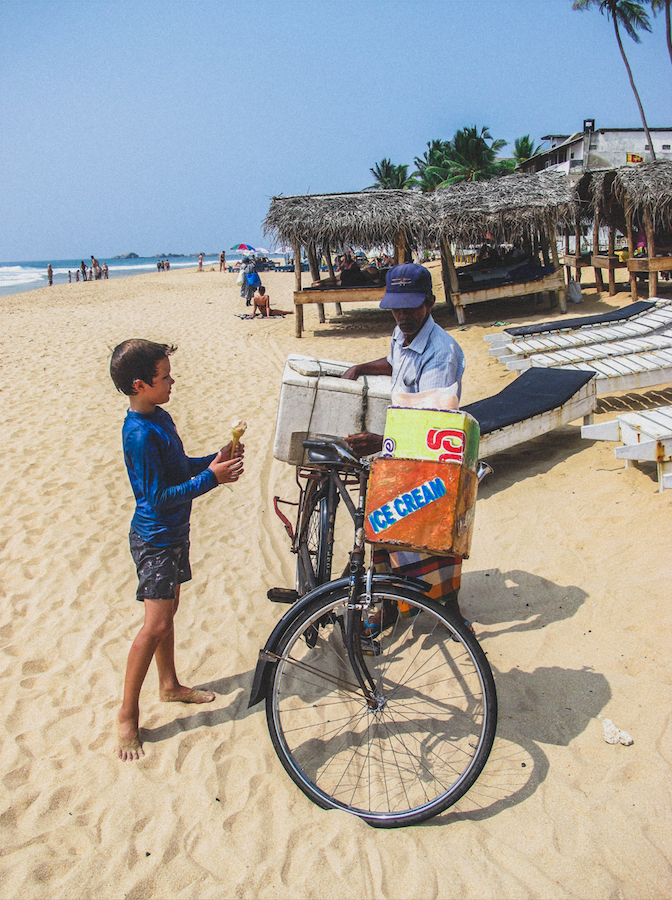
x=262, y=305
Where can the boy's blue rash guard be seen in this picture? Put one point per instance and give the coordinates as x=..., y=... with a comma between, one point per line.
x=164, y=479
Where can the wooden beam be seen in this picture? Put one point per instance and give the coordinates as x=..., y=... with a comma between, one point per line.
x=599, y=283
x=400, y=247
x=562, y=293
x=326, y=252
x=298, y=311
x=651, y=247
x=631, y=247
x=612, y=273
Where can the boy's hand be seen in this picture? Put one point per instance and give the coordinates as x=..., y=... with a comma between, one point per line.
x=226, y=469
x=238, y=453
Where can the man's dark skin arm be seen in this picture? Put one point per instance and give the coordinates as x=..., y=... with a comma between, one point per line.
x=365, y=443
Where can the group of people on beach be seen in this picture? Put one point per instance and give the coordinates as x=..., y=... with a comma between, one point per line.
x=165, y=481
x=163, y=265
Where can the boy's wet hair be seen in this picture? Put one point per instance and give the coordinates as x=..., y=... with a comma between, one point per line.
x=135, y=359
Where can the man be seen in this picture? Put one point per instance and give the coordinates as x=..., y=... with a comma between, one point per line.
x=422, y=357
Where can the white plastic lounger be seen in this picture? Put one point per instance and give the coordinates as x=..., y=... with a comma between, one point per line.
x=623, y=356
x=535, y=403
x=647, y=435
x=637, y=320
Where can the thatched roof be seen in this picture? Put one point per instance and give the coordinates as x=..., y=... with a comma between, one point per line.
x=647, y=185
x=506, y=207
x=365, y=219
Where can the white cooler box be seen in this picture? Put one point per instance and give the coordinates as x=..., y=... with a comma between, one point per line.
x=315, y=400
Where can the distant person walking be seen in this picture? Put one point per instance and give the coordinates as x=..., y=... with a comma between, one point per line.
x=95, y=268
x=82, y=266
x=222, y=261
x=69, y=277
x=200, y=262
x=50, y=275
x=106, y=271
x=77, y=275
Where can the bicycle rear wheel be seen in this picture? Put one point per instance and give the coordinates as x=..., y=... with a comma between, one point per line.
x=431, y=731
x=313, y=565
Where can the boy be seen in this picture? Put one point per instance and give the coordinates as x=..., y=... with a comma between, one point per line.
x=164, y=481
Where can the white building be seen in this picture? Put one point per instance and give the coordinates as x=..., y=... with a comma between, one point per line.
x=599, y=148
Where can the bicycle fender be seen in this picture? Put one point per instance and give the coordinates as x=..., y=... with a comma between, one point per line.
x=265, y=665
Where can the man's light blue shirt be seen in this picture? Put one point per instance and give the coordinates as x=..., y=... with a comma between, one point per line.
x=432, y=360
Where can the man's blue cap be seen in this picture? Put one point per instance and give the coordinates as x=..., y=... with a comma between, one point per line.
x=406, y=287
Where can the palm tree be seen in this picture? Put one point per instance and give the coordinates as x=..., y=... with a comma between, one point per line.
x=524, y=149
x=470, y=158
x=657, y=5
x=390, y=177
x=435, y=156
x=631, y=15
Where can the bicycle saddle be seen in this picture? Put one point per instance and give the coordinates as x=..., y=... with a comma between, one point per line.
x=325, y=449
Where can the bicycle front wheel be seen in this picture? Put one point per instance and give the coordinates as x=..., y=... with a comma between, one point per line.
x=424, y=741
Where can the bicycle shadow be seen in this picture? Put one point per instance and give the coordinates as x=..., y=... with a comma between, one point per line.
x=550, y=705
x=528, y=602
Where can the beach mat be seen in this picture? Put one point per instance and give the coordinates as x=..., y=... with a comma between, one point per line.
x=534, y=392
x=617, y=315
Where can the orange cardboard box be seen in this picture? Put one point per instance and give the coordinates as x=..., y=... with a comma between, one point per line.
x=421, y=505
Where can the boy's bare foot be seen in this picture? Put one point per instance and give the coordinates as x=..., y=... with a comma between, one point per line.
x=186, y=695
x=128, y=745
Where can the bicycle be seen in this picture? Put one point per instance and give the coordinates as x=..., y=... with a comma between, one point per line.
x=392, y=726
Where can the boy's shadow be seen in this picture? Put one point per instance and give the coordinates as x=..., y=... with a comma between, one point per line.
x=239, y=686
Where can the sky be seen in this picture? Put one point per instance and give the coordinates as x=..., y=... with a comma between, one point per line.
x=167, y=127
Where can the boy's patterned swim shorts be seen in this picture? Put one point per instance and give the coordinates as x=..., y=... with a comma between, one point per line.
x=160, y=569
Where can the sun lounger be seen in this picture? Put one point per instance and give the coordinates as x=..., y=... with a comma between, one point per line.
x=623, y=355
x=646, y=435
x=535, y=403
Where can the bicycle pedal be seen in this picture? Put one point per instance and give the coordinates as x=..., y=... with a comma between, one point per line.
x=370, y=647
x=282, y=595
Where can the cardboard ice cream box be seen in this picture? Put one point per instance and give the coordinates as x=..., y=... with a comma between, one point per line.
x=421, y=505
x=422, y=490
x=432, y=434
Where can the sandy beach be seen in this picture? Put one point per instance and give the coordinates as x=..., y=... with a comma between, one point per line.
x=568, y=586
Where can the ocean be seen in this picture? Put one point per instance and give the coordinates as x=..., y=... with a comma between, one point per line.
x=26, y=276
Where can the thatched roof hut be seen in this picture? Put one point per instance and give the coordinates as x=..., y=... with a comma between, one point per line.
x=507, y=207
x=365, y=219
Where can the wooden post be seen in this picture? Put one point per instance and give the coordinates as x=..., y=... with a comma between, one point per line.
x=298, y=307
x=611, y=252
x=562, y=294
x=599, y=284
x=651, y=248
x=454, y=283
x=577, y=245
x=543, y=241
x=313, y=265
x=400, y=248
x=568, y=271
x=631, y=247
x=326, y=252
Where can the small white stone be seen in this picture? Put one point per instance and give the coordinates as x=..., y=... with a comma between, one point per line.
x=610, y=732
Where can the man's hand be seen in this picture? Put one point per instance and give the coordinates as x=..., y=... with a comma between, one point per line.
x=226, y=469
x=365, y=443
x=377, y=367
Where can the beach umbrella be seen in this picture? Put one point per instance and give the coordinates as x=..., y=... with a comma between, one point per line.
x=243, y=248
x=262, y=251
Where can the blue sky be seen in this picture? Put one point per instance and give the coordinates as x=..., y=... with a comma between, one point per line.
x=166, y=127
